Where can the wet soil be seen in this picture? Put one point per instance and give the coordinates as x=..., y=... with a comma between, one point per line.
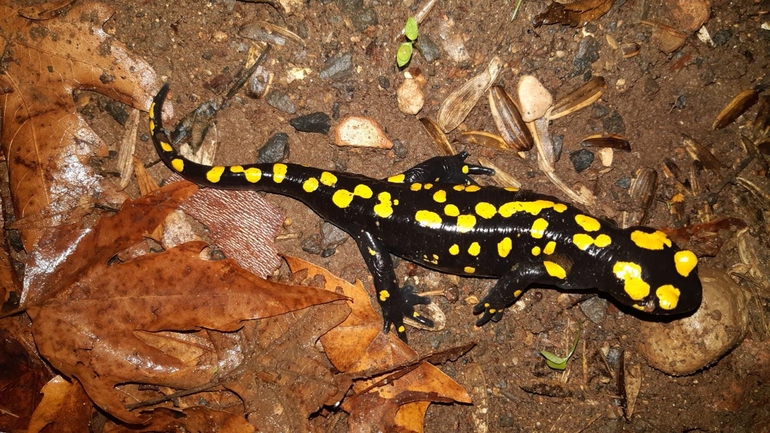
x=652, y=99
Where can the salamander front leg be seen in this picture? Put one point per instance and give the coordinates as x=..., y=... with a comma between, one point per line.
x=507, y=290
x=446, y=169
x=396, y=302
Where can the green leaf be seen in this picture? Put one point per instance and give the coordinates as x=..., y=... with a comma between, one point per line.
x=403, y=54
x=410, y=29
x=557, y=362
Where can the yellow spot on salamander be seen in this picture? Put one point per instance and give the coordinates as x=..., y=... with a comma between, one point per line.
x=582, y=241
x=517, y=293
x=384, y=208
x=451, y=210
x=668, y=296
x=631, y=275
x=384, y=295
x=428, y=186
x=439, y=196
x=685, y=261
x=472, y=188
x=559, y=207
x=328, y=179
x=650, y=241
x=310, y=185
x=465, y=169
x=533, y=207
x=371, y=251
x=279, y=172
x=363, y=191
x=536, y=251
x=253, y=174
x=415, y=186
x=465, y=223
x=415, y=314
x=342, y=198
x=166, y=147
x=427, y=218
x=511, y=189
x=454, y=250
x=549, y=248
x=554, y=270
x=178, y=164
x=398, y=178
x=589, y=224
x=474, y=249
x=469, y=269
x=485, y=210
x=459, y=187
x=538, y=228
x=504, y=247
x=236, y=169
x=401, y=329
x=602, y=241
x=215, y=174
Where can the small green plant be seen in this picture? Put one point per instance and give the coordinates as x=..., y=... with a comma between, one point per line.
x=404, y=53
x=557, y=362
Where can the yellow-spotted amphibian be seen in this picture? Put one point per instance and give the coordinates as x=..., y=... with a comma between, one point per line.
x=435, y=215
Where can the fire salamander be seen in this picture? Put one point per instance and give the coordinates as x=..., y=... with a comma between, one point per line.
x=435, y=215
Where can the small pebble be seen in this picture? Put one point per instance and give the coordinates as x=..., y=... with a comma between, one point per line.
x=581, y=159
x=598, y=111
x=332, y=236
x=361, y=132
x=410, y=97
x=429, y=50
x=312, y=245
x=259, y=83
x=314, y=122
x=606, y=155
x=623, y=182
x=280, y=101
x=588, y=52
x=614, y=124
x=117, y=111
x=275, y=149
x=651, y=86
x=595, y=309
x=721, y=37
x=337, y=67
x=400, y=149
x=534, y=98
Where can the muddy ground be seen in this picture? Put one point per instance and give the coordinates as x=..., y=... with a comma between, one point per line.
x=652, y=99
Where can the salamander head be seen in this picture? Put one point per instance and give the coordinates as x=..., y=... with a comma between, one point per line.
x=655, y=276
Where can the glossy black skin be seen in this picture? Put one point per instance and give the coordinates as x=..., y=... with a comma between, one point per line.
x=399, y=233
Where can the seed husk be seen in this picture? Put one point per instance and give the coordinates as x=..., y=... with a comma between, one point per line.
x=612, y=141
x=438, y=136
x=486, y=139
x=735, y=108
x=642, y=192
x=581, y=97
x=459, y=103
x=507, y=117
x=501, y=177
x=700, y=153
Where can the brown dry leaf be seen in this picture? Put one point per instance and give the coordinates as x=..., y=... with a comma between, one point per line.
x=93, y=333
x=49, y=271
x=286, y=378
x=358, y=344
x=65, y=408
x=193, y=419
x=46, y=142
x=575, y=14
x=21, y=379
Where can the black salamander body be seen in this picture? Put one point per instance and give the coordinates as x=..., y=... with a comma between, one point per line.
x=435, y=215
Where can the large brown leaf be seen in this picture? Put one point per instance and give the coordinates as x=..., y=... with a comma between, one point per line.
x=94, y=332
x=46, y=142
x=65, y=253
x=358, y=345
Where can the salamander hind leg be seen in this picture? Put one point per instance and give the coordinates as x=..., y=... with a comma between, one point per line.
x=396, y=302
x=443, y=169
x=507, y=290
